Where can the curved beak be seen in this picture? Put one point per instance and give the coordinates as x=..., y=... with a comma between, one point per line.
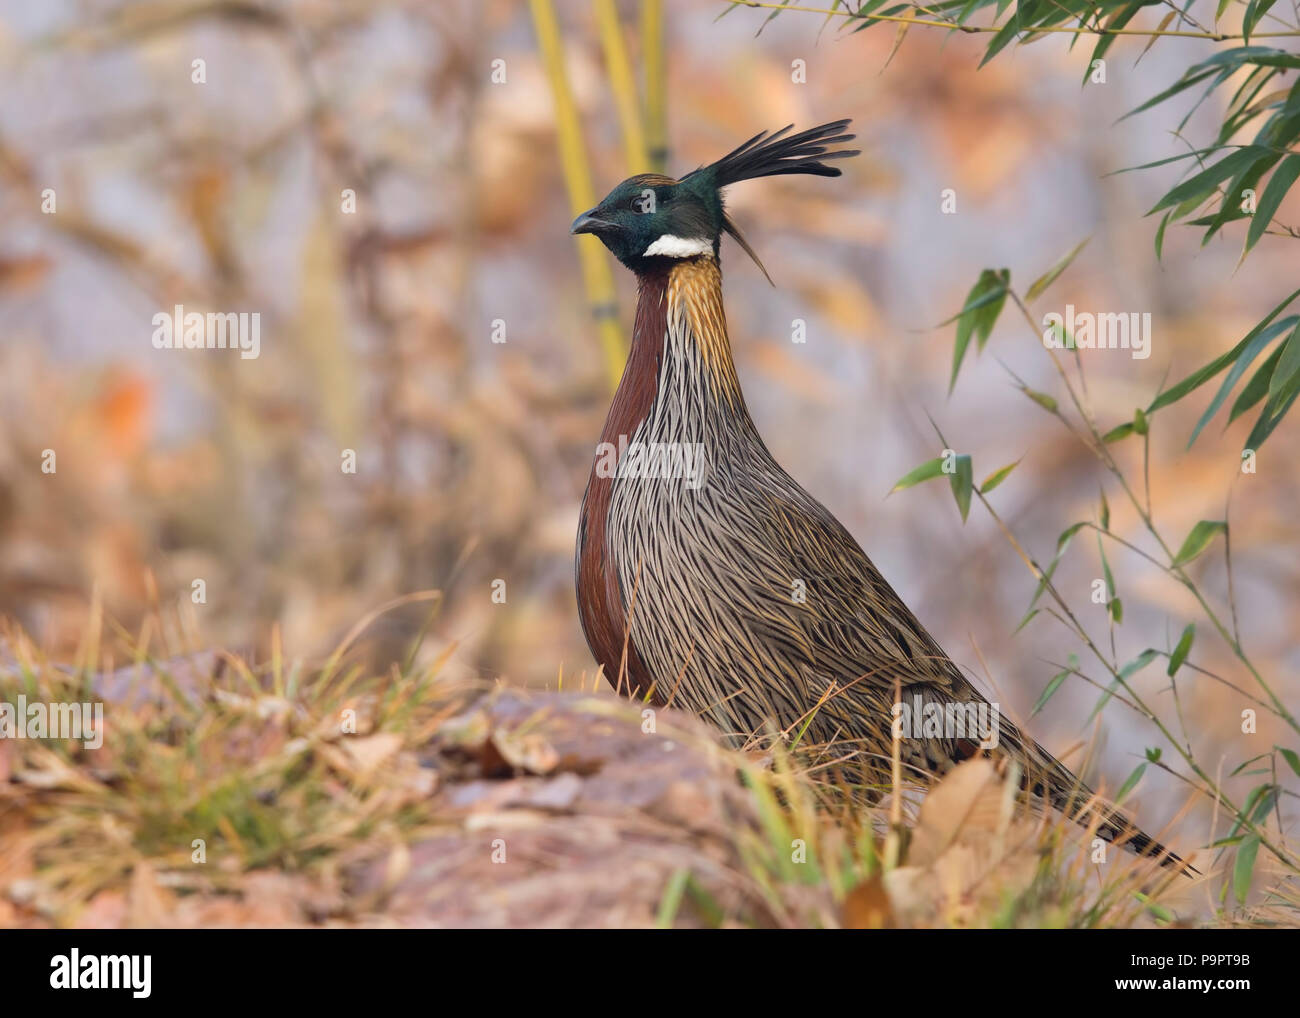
x=590, y=223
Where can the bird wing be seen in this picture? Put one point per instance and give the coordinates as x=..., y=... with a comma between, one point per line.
x=820, y=596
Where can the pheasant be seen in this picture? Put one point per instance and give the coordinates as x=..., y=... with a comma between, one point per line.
x=706, y=575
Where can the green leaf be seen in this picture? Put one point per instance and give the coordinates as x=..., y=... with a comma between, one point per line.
x=983, y=305
x=1160, y=235
x=1105, y=512
x=1105, y=569
x=1255, y=11
x=1164, y=23
x=1246, y=763
x=1201, y=376
x=1245, y=865
x=1049, y=277
x=1230, y=208
x=1286, y=375
x=1193, y=76
x=1252, y=350
x=1278, y=185
x=1265, y=804
x=1118, y=432
x=1292, y=758
x=1064, y=538
x=1062, y=542
x=1199, y=539
x=1118, y=19
x=1050, y=689
x=1130, y=782
x=1256, y=797
x=928, y=470
x=1157, y=910
x=1181, y=651
x=1203, y=184
x=1257, y=388
x=1045, y=401
x=1004, y=35
x=974, y=300
x=963, y=484
x=1269, y=418
x=997, y=477
x=1163, y=162
x=1138, y=663
x=1125, y=673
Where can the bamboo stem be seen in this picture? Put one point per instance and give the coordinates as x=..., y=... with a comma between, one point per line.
x=597, y=277
x=622, y=83
x=656, y=83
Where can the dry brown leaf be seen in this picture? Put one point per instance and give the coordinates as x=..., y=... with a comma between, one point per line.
x=368, y=753
x=531, y=753
x=148, y=905
x=868, y=907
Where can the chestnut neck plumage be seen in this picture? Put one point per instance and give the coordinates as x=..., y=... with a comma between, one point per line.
x=679, y=342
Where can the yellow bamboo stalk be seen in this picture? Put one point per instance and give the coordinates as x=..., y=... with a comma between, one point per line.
x=596, y=274
x=656, y=84
x=623, y=84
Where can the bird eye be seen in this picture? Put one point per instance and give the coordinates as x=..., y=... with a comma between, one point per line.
x=644, y=203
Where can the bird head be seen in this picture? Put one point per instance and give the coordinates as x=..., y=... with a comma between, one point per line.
x=650, y=218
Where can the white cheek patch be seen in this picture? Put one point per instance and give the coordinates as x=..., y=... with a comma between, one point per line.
x=679, y=247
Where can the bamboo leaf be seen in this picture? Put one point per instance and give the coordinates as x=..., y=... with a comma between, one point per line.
x=1113, y=604
x=1181, y=651
x=1053, y=685
x=1045, y=401
x=1125, y=673
x=1244, y=867
x=1287, y=373
x=1243, y=361
x=1257, y=388
x=1160, y=235
x=1278, y=185
x=1255, y=11
x=983, y=305
x=997, y=477
x=1049, y=277
x=1204, y=183
x=1269, y=418
x=1164, y=23
x=963, y=484
x=1199, y=539
x=1130, y=782
x=1202, y=375
x=1118, y=432
x=928, y=470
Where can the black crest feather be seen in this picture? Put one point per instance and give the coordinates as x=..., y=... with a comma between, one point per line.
x=770, y=155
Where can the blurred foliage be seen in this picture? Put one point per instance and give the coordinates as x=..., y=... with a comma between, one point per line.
x=1228, y=175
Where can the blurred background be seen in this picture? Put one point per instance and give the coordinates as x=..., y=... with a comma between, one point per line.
x=377, y=330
